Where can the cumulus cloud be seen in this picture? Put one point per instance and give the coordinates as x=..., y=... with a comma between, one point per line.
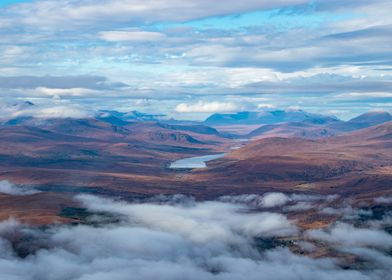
x=274, y=199
x=207, y=107
x=181, y=239
x=11, y=189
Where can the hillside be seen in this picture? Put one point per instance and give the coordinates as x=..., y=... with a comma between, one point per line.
x=356, y=164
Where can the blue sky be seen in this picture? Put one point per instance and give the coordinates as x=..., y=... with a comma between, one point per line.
x=189, y=58
x=8, y=2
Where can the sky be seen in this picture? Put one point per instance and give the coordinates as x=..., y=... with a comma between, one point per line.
x=189, y=58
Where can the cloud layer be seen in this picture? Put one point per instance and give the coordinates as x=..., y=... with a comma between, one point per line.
x=179, y=238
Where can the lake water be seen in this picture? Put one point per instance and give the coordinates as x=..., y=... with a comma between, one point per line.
x=194, y=162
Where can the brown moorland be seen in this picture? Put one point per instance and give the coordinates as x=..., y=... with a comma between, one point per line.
x=65, y=157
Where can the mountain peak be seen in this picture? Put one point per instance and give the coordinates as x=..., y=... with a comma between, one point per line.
x=373, y=117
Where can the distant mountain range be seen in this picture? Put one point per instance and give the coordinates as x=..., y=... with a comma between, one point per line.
x=320, y=127
x=268, y=123
x=131, y=116
x=267, y=117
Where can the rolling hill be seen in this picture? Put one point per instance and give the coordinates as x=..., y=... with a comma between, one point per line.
x=358, y=163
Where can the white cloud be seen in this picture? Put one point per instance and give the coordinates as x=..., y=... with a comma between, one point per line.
x=62, y=111
x=265, y=106
x=274, y=199
x=301, y=206
x=58, y=92
x=51, y=109
x=131, y=36
x=181, y=240
x=383, y=199
x=366, y=94
x=206, y=107
x=298, y=202
x=350, y=236
x=11, y=189
x=200, y=222
x=348, y=212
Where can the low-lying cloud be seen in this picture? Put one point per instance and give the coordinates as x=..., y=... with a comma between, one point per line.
x=11, y=189
x=350, y=236
x=181, y=239
x=268, y=200
x=200, y=222
x=51, y=109
x=278, y=199
x=383, y=199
